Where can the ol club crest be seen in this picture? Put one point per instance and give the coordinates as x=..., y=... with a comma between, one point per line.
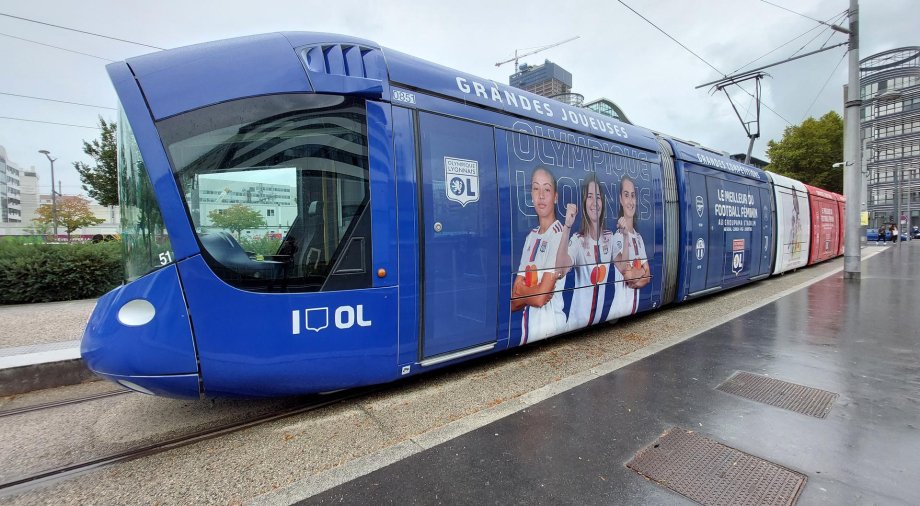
x=461, y=180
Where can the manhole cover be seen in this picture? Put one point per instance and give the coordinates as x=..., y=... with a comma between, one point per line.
x=709, y=472
x=782, y=394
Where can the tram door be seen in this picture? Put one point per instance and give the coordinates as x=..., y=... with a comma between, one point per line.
x=459, y=232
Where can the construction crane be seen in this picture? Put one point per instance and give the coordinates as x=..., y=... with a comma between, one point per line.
x=535, y=51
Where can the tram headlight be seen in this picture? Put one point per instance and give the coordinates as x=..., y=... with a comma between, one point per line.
x=136, y=312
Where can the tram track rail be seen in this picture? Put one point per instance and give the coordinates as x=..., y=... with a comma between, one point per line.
x=26, y=483
x=60, y=403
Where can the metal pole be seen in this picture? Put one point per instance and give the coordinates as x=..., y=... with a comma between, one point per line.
x=897, y=212
x=851, y=169
x=53, y=199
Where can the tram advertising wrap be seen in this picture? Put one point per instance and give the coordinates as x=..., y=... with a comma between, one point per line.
x=585, y=225
x=727, y=221
x=825, y=219
x=793, y=228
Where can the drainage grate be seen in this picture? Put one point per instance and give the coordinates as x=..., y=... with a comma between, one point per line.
x=782, y=394
x=709, y=472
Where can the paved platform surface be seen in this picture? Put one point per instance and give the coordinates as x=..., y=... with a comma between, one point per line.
x=36, y=324
x=858, y=340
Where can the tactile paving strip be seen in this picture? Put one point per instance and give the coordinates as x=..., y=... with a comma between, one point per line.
x=711, y=473
x=782, y=394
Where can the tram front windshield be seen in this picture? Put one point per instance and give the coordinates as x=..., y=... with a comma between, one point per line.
x=276, y=188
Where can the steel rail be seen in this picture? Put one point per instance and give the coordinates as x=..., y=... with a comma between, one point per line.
x=63, y=402
x=26, y=483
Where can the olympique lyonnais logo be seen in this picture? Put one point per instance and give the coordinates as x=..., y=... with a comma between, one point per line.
x=461, y=178
x=737, y=256
x=700, y=248
x=317, y=318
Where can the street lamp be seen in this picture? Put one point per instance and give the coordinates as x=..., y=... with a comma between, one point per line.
x=53, y=199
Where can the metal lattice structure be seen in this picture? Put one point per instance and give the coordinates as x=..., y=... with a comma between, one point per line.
x=890, y=129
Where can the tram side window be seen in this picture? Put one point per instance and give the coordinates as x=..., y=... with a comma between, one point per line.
x=143, y=233
x=277, y=190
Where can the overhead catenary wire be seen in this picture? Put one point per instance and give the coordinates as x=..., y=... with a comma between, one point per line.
x=80, y=31
x=58, y=101
x=670, y=37
x=794, y=12
x=790, y=41
x=55, y=47
x=804, y=116
x=49, y=122
x=768, y=53
x=811, y=40
x=704, y=61
x=828, y=39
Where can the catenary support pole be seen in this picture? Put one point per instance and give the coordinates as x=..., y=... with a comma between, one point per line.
x=852, y=169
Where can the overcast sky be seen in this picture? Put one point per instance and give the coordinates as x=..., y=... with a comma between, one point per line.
x=619, y=55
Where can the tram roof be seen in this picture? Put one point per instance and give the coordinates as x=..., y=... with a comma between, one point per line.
x=178, y=80
x=707, y=158
x=787, y=182
x=820, y=192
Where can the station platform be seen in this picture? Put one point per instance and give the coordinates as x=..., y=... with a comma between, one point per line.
x=40, y=345
x=705, y=420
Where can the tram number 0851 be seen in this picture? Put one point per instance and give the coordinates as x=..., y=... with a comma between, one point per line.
x=403, y=96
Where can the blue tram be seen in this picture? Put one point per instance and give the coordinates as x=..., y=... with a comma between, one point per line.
x=408, y=216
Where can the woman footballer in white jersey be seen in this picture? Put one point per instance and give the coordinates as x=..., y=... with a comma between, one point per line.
x=631, y=262
x=589, y=253
x=538, y=285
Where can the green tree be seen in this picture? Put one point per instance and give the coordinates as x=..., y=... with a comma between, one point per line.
x=101, y=180
x=72, y=213
x=39, y=228
x=237, y=218
x=808, y=151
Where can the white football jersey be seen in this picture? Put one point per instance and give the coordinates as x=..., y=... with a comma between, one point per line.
x=626, y=299
x=539, y=257
x=592, y=265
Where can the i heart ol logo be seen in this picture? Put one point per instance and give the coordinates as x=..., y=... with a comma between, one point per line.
x=598, y=274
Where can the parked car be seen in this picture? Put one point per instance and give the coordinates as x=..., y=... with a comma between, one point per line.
x=915, y=233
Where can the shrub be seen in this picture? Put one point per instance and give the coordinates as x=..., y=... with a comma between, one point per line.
x=35, y=272
x=261, y=245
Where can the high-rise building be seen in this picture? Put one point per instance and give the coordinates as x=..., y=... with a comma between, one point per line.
x=10, y=203
x=547, y=80
x=29, y=196
x=552, y=81
x=890, y=129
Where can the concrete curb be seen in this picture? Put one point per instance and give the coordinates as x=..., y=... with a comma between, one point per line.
x=31, y=377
